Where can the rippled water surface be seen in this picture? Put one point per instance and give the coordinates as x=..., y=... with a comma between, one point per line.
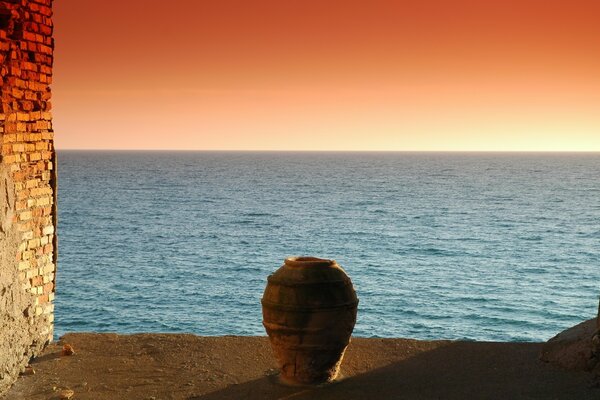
x=478, y=246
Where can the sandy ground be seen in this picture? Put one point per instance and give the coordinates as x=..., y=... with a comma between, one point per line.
x=156, y=366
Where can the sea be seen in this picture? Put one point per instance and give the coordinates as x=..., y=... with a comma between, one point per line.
x=470, y=246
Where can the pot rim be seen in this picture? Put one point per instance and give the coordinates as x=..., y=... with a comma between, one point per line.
x=306, y=261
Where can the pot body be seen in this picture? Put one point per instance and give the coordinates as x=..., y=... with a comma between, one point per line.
x=309, y=311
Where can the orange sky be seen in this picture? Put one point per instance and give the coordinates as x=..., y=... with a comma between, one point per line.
x=328, y=75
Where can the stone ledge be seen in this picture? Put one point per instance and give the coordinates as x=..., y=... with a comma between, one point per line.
x=163, y=366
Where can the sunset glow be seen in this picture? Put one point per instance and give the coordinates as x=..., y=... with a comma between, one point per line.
x=328, y=75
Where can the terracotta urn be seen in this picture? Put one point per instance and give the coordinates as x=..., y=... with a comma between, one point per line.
x=309, y=311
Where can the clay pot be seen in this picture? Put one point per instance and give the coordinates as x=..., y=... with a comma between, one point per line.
x=309, y=311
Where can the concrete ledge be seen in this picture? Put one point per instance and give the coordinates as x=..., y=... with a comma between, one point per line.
x=161, y=366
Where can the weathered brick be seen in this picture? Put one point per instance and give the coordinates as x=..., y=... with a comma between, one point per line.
x=37, y=281
x=32, y=183
x=23, y=265
x=33, y=243
x=27, y=152
x=48, y=287
x=25, y=215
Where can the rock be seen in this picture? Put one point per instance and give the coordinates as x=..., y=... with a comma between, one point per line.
x=571, y=349
x=65, y=394
x=28, y=370
x=68, y=350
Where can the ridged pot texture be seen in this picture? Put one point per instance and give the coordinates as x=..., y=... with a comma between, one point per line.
x=309, y=311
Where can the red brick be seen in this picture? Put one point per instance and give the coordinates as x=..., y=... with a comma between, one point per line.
x=27, y=148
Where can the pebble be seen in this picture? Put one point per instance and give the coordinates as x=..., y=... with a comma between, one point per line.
x=68, y=350
x=65, y=394
x=28, y=370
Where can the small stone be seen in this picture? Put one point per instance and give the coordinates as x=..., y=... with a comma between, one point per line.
x=28, y=370
x=68, y=350
x=65, y=394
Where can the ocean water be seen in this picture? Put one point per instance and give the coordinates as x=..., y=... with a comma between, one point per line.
x=502, y=247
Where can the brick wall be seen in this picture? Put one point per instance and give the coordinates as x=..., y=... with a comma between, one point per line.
x=27, y=184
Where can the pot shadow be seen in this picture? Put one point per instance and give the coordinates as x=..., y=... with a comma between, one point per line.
x=459, y=370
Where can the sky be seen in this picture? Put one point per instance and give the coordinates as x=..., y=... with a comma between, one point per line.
x=421, y=75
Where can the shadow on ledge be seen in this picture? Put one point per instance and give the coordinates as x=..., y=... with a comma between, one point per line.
x=457, y=370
